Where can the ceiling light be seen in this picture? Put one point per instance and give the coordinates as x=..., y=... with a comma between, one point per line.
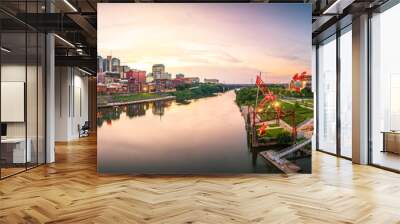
x=337, y=7
x=5, y=50
x=64, y=40
x=70, y=5
x=86, y=72
x=331, y=7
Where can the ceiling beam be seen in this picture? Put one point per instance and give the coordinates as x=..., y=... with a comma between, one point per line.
x=89, y=62
x=86, y=27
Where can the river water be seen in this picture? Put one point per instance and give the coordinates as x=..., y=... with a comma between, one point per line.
x=164, y=137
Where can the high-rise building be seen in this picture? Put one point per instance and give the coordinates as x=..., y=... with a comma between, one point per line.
x=158, y=72
x=158, y=68
x=164, y=75
x=107, y=64
x=100, y=67
x=115, y=62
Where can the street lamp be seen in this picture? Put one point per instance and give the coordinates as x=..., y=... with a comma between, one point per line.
x=276, y=105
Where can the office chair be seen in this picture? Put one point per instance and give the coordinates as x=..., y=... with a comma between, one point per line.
x=84, y=130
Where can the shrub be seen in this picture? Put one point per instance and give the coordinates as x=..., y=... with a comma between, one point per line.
x=284, y=138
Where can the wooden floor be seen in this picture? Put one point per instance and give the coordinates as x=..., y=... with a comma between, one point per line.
x=70, y=191
x=387, y=159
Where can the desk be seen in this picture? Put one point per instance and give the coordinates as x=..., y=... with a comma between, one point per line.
x=391, y=141
x=15, y=148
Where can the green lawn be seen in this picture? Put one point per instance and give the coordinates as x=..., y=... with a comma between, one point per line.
x=301, y=113
x=307, y=102
x=273, y=125
x=273, y=132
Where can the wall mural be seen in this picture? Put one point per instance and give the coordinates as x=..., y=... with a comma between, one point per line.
x=204, y=88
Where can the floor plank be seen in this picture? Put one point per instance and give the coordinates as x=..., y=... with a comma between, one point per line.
x=71, y=191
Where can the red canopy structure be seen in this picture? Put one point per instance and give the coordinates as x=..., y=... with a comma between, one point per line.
x=269, y=98
x=298, y=82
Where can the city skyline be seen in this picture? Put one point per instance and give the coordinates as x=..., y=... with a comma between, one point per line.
x=229, y=42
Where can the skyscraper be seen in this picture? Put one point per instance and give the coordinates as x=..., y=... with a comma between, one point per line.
x=100, y=67
x=115, y=62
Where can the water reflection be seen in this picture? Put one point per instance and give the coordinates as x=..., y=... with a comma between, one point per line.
x=206, y=136
x=110, y=114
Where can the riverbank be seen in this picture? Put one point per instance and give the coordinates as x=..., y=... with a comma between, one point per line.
x=136, y=101
x=183, y=94
x=190, y=92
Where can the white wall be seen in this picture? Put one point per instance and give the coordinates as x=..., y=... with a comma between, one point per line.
x=16, y=73
x=71, y=102
x=33, y=127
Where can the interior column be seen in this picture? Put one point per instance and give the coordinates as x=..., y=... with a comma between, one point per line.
x=360, y=89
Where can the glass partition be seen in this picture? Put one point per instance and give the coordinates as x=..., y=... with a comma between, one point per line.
x=327, y=95
x=22, y=88
x=31, y=98
x=13, y=94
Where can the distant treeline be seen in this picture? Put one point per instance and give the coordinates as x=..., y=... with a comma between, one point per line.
x=195, y=91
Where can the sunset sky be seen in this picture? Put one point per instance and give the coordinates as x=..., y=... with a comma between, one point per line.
x=231, y=42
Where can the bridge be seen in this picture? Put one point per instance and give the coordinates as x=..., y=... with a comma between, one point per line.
x=276, y=158
x=286, y=151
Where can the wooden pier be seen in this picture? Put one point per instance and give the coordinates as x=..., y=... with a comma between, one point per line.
x=278, y=160
x=274, y=157
x=282, y=164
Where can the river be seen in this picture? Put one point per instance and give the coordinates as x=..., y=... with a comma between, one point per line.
x=164, y=137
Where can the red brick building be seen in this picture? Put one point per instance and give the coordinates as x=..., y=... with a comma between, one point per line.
x=139, y=76
x=134, y=86
x=101, y=88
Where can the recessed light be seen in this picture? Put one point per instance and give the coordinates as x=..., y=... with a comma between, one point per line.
x=86, y=72
x=5, y=50
x=70, y=5
x=64, y=40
